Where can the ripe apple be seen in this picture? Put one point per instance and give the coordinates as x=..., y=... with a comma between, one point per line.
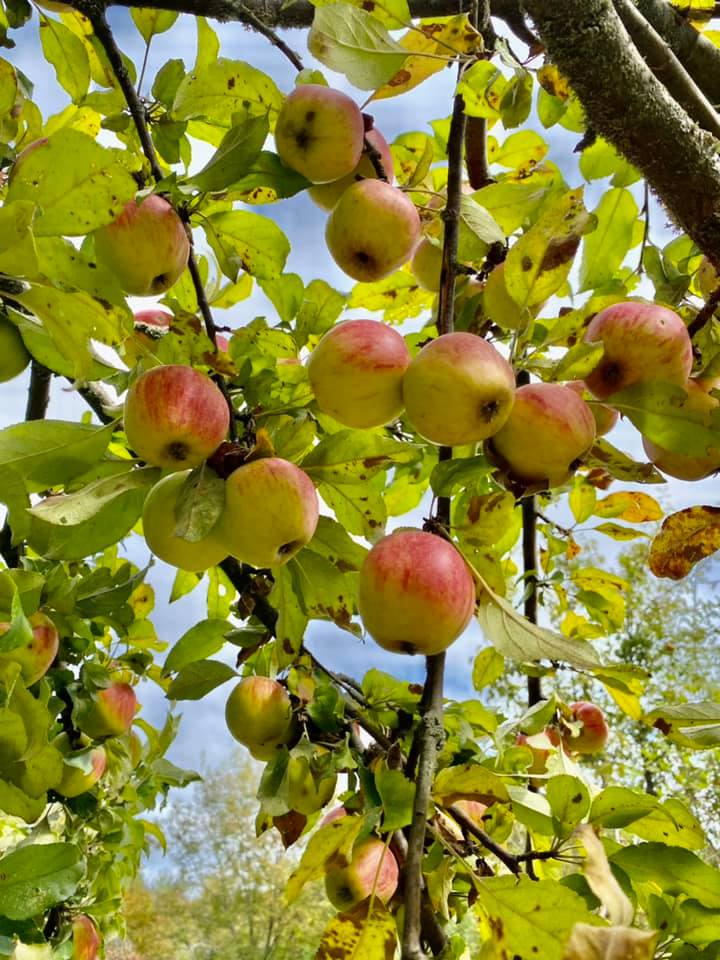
x=474, y=810
x=14, y=356
x=458, y=390
x=175, y=417
x=698, y=400
x=706, y=278
x=86, y=939
x=271, y=511
x=372, y=230
x=111, y=713
x=594, y=733
x=259, y=715
x=549, y=430
x=159, y=521
x=426, y=265
x=326, y=195
x=373, y=868
x=146, y=247
x=415, y=593
x=87, y=766
x=35, y=657
x=320, y=133
x=643, y=342
x=605, y=417
x=305, y=794
x=222, y=343
x=157, y=320
x=356, y=373
x=337, y=813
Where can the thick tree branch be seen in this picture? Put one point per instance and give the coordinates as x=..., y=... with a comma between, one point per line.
x=38, y=392
x=503, y=855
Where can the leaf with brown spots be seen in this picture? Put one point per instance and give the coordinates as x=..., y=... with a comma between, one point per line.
x=629, y=505
x=360, y=935
x=608, y=458
x=610, y=943
x=685, y=538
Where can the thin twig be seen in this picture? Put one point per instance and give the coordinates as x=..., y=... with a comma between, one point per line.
x=705, y=313
x=261, y=27
x=503, y=855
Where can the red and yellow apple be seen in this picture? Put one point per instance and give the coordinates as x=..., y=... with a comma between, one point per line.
x=372, y=870
x=157, y=320
x=605, y=417
x=326, y=195
x=356, y=373
x=14, y=356
x=146, y=247
x=81, y=768
x=35, y=657
x=86, y=939
x=372, y=230
x=175, y=417
x=415, y=593
x=160, y=520
x=698, y=400
x=426, y=265
x=320, y=133
x=259, y=715
x=271, y=512
x=111, y=712
x=594, y=732
x=458, y=390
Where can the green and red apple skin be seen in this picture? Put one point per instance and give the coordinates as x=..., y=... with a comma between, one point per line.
x=594, y=732
x=373, y=870
x=111, y=713
x=356, y=372
x=77, y=780
x=415, y=593
x=86, y=939
x=458, y=390
x=175, y=417
x=259, y=715
x=605, y=417
x=326, y=195
x=643, y=342
x=146, y=247
x=320, y=133
x=271, y=512
x=35, y=657
x=699, y=399
x=14, y=356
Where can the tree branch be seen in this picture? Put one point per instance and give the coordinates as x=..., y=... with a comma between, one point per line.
x=530, y=607
x=503, y=855
x=38, y=392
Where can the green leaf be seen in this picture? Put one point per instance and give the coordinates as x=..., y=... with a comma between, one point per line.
x=582, y=501
x=695, y=725
x=200, y=503
x=606, y=247
x=152, y=22
x=393, y=13
x=477, y=230
x=620, y=465
x=246, y=241
x=36, y=877
x=398, y=795
x=523, y=149
x=267, y=180
x=482, y=88
x=600, y=159
x=285, y=597
x=16, y=803
x=359, y=507
x=516, y=198
x=488, y=667
x=68, y=55
x=675, y=871
x=569, y=801
x=16, y=239
x=167, y=80
x=238, y=150
x=49, y=452
x=197, y=679
x=8, y=86
x=352, y=42
x=517, y=99
x=19, y=632
x=218, y=90
x=472, y=779
x=352, y=456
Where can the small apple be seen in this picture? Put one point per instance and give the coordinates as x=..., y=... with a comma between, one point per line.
x=35, y=657
x=706, y=278
x=337, y=813
x=415, y=593
x=594, y=733
x=549, y=430
x=259, y=715
x=111, y=712
x=146, y=247
x=372, y=870
x=85, y=767
x=305, y=793
x=605, y=417
x=159, y=521
x=86, y=939
x=356, y=373
x=320, y=133
x=426, y=265
x=14, y=356
x=326, y=195
x=372, y=230
x=158, y=321
x=271, y=512
x=643, y=342
x=458, y=390
x=698, y=400
x=175, y=417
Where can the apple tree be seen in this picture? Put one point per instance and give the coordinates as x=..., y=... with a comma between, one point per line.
x=495, y=324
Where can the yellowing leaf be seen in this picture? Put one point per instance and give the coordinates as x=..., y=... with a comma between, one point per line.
x=602, y=880
x=482, y=88
x=553, y=82
x=631, y=506
x=685, y=538
x=360, y=934
x=610, y=943
x=335, y=838
x=394, y=14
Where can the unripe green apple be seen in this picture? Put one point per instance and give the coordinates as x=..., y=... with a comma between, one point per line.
x=305, y=794
x=35, y=657
x=159, y=522
x=707, y=278
x=426, y=265
x=86, y=939
x=594, y=733
x=326, y=195
x=458, y=389
x=698, y=400
x=356, y=373
x=605, y=417
x=415, y=593
x=643, y=342
x=175, y=417
x=372, y=869
x=547, y=433
x=372, y=230
x=271, y=512
x=146, y=247
x=320, y=132
x=87, y=766
x=14, y=356
x=111, y=712
x=259, y=715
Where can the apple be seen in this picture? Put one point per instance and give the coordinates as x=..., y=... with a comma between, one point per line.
x=14, y=356
x=111, y=712
x=146, y=247
x=271, y=512
x=259, y=715
x=605, y=417
x=698, y=400
x=222, y=343
x=474, y=810
x=594, y=733
x=87, y=765
x=372, y=230
x=337, y=813
x=415, y=593
x=458, y=390
x=372, y=869
x=643, y=342
x=326, y=195
x=356, y=373
x=426, y=265
x=549, y=430
x=159, y=521
x=157, y=320
x=320, y=133
x=706, y=278
x=175, y=417
x=86, y=939
x=35, y=657
x=305, y=793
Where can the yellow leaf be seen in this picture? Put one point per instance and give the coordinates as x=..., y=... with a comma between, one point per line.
x=602, y=880
x=685, y=538
x=631, y=506
x=553, y=82
x=609, y=943
x=360, y=935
